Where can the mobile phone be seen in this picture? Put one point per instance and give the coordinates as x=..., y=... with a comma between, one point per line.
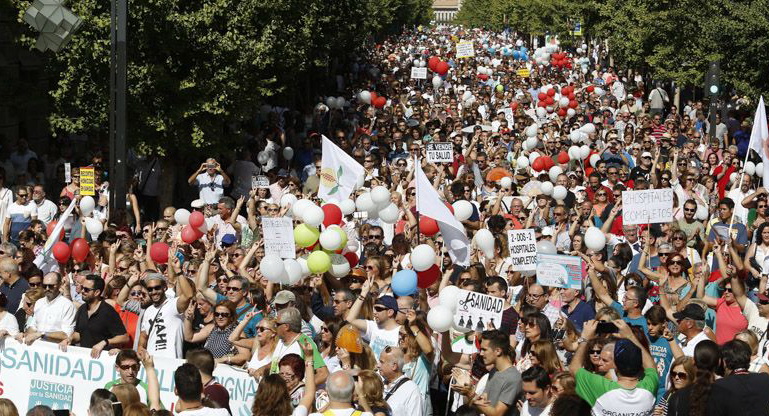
x=61, y=412
x=606, y=328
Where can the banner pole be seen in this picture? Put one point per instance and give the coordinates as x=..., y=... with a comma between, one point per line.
x=416, y=191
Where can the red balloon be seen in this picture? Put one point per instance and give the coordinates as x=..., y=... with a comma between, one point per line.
x=567, y=90
x=549, y=162
x=573, y=104
x=551, y=92
x=483, y=77
x=590, y=88
x=428, y=277
x=196, y=219
x=541, y=103
x=572, y=96
x=159, y=253
x=80, y=250
x=374, y=96
x=514, y=105
x=562, y=112
x=352, y=258
x=380, y=102
x=541, y=96
x=433, y=63
x=442, y=68
x=190, y=235
x=549, y=100
x=49, y=230
x=538, y=164
x=428, y=226
x=332, y=214
x=61, y=252
x=450, y=207
x=563, y=157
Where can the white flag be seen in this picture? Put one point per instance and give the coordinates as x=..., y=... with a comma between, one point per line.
x=759, y=136
x=339, y=173
x=430, y=204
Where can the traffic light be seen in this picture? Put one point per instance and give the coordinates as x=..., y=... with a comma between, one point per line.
x=713, y=79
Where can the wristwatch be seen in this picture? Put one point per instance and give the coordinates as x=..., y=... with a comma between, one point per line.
x=580, y=340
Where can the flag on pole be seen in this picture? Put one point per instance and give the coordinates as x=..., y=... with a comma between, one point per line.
x=44, y=261
x=759, y=138
x=430, y=204
x=339, y=173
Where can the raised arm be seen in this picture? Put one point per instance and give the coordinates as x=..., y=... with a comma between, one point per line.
x=201, y=281
x=598, y=288
x=352, y=314
x=153, y=385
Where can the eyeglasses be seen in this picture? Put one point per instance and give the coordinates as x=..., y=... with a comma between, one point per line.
x=234, y=289
x=34, y=285
x=45, y=286
x=678, y=237
x=595, y=352
x=85, y=289
x=375, y=237
x=676, y=262
x=678, y=375
x=263, y=329
x=380, y=308
x=535, y=296
x=157, y=288
x=136, y=293
x=691, y=209
x=289, y=376
x=223, y=279
x=665, y=178
x=601, y=194
x=324, y=329
x=663, y=254
x=22, y=195
x=728, y=290
x=221, y=314
x=126, y=367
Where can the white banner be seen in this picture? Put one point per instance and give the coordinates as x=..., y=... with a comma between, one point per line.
x=278, y=236
x=465, y=50
x=476, y=310
x=647, y=207
x=555, y=270
x=418, y=73
x=441, y=152
x=260, y=181
x=41, y=374
x=523, y=249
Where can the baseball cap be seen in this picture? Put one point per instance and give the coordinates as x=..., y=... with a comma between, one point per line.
x=198, y=203
x=349, y=338
x=229, y=239
x=388, y=302
x=646, y=154
x=284, y=296
x=358, y=273
x=627, y=358
x=691, y=311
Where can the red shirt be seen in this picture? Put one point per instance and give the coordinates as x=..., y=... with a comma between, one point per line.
x=723, y=182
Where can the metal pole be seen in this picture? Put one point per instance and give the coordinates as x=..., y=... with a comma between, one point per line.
x=118, y=66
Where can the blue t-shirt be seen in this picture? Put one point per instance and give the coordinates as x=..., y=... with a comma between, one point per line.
x=663, y=357
x=581, y=314
x=250, y=329
x=640, y=321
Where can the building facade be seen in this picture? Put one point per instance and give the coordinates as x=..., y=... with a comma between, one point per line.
x=445, y=11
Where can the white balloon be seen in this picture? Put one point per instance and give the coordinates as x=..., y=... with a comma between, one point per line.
x=448, y=297
x=531, y=142
x=584, y=151
x=570, y=112
x=87, y=205
x=440, y=318
x=533, y=156
x=760, y=170
x=545, y=246
x=288, y=153
x=94, y=227
x=467, y=95
x=546, y=188
x=365, y=96
x=484, y=239
x=595, y=239
x=463, y=209
x=523, y=162
x=574, y=152
x=263, y=158
x=347, y=206
x=340, y=267
x=303, y=264
x=182, y=216
x=287, y=199
x=554, y=172
x=293, y=270
x=733, y=177
x=437, y=82
x=365, y=203
x=588, y=128
x=564, y=102
x=702, y=212
x=298, y=207
x=506, y=182
x=340, y=102
x=380, y=195
x=559, y=192
x=416, y=62
x=272, y=268
x=330, y=240
x=532, y=130
x=389, y=214
x=331, y=102
x=594, y=158
x=541, y=112
x=422, y=257
x=600, y=91
x=750, y=168
x=313, y=216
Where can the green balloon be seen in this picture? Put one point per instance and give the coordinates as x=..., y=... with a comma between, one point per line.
x=318, y=262
x=305, y=236
x=500, y=88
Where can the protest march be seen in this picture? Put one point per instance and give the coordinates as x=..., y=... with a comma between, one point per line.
x=476, y=223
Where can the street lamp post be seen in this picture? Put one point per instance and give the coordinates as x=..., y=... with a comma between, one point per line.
x=117, y=115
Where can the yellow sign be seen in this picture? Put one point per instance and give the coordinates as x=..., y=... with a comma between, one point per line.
x=465, y=50
x=577, y=29
x=87, y=181
x=522, y=72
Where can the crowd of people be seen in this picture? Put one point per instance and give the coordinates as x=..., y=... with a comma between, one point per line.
x=670, y=319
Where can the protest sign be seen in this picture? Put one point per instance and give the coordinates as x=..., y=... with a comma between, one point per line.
x=523, y=249
x=508, y=116
x=442, y=152
x=465, y=50
x=87, y=181
x=418, y=73
x=557, y=270
x=260, y=181
x=647, y=207
x=41, y=374
x=476, y=310
x=524, y=72
x=278, y=236
x=67, y=172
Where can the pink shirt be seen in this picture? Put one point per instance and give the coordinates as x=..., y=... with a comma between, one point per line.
x=729, y=321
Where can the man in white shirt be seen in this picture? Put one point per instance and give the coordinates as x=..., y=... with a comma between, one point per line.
x=210, y=180
x=691, y=322
x=383, y=330
x=340, y=387
x=401, y=393
x=18, y=216
x=225, y=207
x=188, y=387
x=162, y=324
x=46, y=209
x=538, y=391
x=739, y=192
x=54, y=316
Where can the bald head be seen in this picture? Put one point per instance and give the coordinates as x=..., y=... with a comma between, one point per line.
x=340, y=386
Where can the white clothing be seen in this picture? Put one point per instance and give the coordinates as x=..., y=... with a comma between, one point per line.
x=406, y=399
x=6, y=199
x=210, y=189
x=9, y=323
x=164, y=326
x=46, y=211
x=740, y=212
x=55, y=316
x=688, y=349
x=21, y=213
x=527, y=410
x=379, y=338
x=205, y=411
x=255, y=363
x=335, y=412
x=756, y=322
x=223, y=228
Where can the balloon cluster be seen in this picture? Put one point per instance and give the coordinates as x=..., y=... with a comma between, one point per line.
x=371, y=97
x=441, y=316
x=560, y=61
x=438, y=66
x=336, y=102
x=424, y=274
x=78, y=250
x=193, y=224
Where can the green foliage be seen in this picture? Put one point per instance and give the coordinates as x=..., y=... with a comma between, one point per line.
x=195, y=66
x=535, y=17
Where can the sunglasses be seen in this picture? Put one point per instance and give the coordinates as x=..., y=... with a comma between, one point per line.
x=676, y=262
x=728, y=290
x=126, y=367
x=375, y=237
x=263, y=329
x=678, y=375
x=221, y=314
x=595, y=352
x=45, y=286
x=155, y=288
x=136, y=293
x=380, y=309
x=34, y=285
x=678, y=237
x=234, y=289
x=692, y=210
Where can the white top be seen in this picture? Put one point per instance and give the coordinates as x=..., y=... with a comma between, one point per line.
x=335, y=412
x=164, y=328
x=205, y=411
x=688, y=349
x=756, y=322
x=46, y=211
x=406, y=399
x=379, y=338
x=211, y=189
x=58, y=315
x=9, y=323
x=6, y=199
x=527, y=410
x=223, y=228
x=18, y=213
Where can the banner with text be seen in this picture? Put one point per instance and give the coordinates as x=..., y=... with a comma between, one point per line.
x=476, y=310
x=87, y=181
x=41, y=374
x=523, y=249
x=418, y=73
x=647, y=207
x=278, y=236
x=441, y=152
x=260, y=181
x=465, y=50
x=557, y=270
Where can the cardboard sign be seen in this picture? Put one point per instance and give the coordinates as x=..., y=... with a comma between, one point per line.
x=418, y=73
x=476, y=310
x=87, y=181
x=557, y=270
x=441, y=152
x=278, y=236
x=523, y=249
x=508, y=116
x=260, y=181
x=523, y=72
x=67, y=172
x=647, y=207
x=465, y=50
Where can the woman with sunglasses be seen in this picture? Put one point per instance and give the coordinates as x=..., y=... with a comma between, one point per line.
x=262, y=347
x=418, y=354
x=326, y=342
x=673, y=279
x=536, y=326
x=679, y=242
x=681, y=375
x=729, y=317
x=216, y=335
